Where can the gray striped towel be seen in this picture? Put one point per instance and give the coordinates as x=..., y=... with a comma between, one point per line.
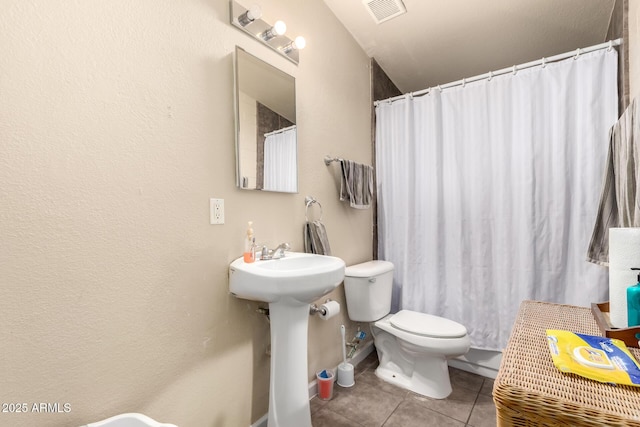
x=620, y=197
x=356, y=184
x=315, y=238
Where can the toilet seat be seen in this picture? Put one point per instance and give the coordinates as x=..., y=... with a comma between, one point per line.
x=442, y=347
x=427, y=325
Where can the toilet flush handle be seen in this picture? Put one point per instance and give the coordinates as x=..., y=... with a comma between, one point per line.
x=372, y=280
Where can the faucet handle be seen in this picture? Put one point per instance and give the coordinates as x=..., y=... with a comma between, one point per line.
x=264, y=254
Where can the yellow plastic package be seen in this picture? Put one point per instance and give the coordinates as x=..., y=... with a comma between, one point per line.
x=599, y=358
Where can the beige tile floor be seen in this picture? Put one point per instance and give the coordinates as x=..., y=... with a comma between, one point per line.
x=372, y=402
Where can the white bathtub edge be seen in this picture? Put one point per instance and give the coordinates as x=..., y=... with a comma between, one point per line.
x=481, y=362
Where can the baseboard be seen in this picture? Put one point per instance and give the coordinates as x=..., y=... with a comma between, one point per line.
x=362, y=354
x=358, y=357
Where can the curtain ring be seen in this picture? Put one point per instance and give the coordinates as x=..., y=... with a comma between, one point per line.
x=440, y=88
x=490, y=76
x=610, y=48
x=464, y=82
x=544, y=62
x=515, y=70
x=577, y=54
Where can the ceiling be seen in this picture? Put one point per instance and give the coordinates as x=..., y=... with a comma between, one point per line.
x=440, y=41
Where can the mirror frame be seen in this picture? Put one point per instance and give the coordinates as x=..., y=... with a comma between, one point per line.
x=291, y=113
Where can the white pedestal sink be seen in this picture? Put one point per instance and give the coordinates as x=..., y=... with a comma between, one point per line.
x=289, y=285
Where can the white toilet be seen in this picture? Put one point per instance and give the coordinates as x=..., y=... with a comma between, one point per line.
x=413, y=348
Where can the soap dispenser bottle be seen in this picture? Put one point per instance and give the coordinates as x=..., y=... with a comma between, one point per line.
x=249, y=245
x=633, y=303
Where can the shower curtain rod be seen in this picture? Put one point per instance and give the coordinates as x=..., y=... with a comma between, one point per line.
x=542, y=62
x=279, y=131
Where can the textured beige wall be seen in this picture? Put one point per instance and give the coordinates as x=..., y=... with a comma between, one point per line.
x=116, y=127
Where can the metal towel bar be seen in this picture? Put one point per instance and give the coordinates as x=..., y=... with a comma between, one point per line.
x=328, y=160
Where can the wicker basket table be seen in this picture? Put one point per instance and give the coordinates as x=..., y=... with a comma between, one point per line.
x=530, y=391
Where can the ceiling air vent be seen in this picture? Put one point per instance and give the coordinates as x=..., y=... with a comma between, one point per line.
x=383, y=10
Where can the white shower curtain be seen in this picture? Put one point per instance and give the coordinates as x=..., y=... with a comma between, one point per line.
x=487, y=193
x=280, y=170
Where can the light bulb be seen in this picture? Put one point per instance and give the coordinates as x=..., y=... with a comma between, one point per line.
x=278, y=29
x=253, y=13
x=299, y=42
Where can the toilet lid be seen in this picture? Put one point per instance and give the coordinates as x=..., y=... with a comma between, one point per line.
x=427, y=325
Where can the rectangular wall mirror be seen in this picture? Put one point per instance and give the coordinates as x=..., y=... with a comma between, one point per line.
x=266, y=133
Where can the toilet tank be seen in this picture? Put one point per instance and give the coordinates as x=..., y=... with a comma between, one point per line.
x=367, y=287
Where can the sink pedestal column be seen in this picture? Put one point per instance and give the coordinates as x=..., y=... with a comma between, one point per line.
x=288, y=388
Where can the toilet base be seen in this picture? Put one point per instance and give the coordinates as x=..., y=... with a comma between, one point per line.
x=429, y=377
x=422, y=370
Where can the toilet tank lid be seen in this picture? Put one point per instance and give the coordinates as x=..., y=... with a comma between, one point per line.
x=368, y=269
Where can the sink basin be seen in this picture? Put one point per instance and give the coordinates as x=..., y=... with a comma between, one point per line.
x=289, y=285
x=299, y=276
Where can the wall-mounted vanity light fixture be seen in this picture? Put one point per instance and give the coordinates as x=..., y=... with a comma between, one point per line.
x=249, y=21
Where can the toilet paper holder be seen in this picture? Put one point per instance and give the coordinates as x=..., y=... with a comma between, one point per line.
x=314, y=309
x=326, y=310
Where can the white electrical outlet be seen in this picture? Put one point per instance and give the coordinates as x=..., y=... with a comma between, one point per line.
x=216, y=207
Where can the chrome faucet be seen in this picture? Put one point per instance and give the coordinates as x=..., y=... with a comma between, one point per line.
x=276, y=253
x=279, y=252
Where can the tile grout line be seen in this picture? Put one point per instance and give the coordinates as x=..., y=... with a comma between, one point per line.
x=393, y=412
x=394, y=409
x=358, y=423
x=474, y=404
